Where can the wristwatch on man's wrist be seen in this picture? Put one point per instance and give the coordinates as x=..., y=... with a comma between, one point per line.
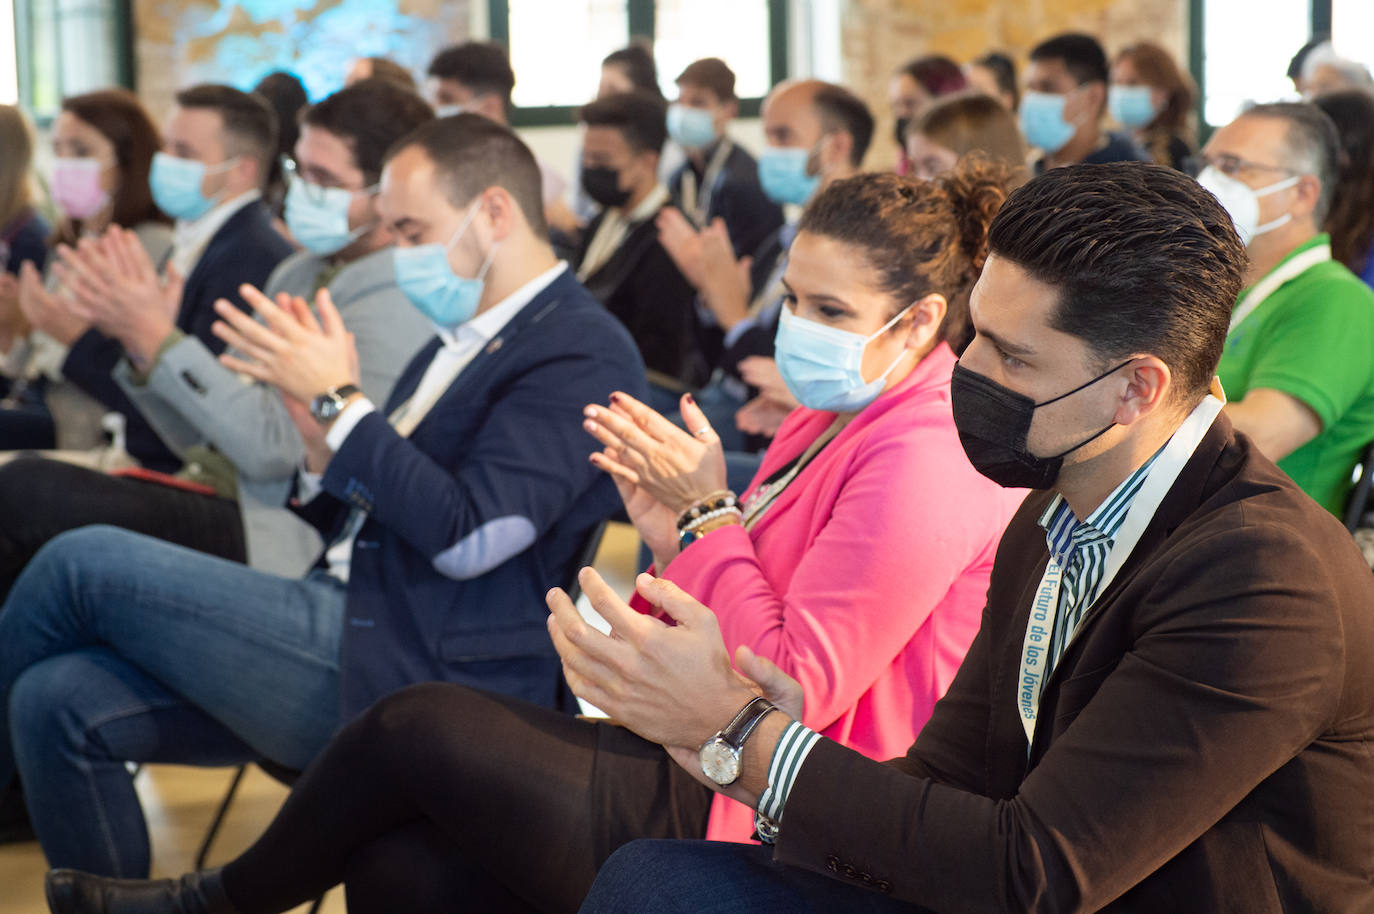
x=327, y=406
x=721, y=754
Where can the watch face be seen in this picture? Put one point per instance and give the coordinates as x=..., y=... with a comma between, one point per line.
x=324, y=407
x=720, y=761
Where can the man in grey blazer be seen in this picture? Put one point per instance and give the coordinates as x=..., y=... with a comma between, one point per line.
x=239, y=446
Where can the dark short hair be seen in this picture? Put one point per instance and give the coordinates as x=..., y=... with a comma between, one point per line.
x=121, y=119
x=1295, y=65
x=1312, y=146
x=472, y=153
x=641, y=118
x=1144, y=261
x=284, y=92
x=712, y=74
x=638, y=64
x=840, y=109
x=1004, y=69
x=370, y=116
x=387, y=69
x=1082, y=55
x=250, y=124
x=482, y=66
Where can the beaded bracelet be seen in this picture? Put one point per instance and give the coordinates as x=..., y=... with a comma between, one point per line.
x=713, y=502
x=710, y=516
x=688, y=537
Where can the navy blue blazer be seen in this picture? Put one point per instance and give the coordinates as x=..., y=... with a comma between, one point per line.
x=246, y=249
x=481, y=510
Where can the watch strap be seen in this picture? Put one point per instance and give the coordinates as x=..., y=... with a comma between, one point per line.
x=738, y=730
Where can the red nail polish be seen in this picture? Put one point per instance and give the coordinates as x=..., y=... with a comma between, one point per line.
x=691, y=401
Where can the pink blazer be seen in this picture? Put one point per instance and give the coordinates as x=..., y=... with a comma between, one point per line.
x=866, y=578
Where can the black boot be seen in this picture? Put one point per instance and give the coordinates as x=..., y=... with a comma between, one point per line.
x=75, y=892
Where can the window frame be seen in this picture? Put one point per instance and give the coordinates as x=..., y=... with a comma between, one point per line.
x=640, y=19
x=26, y=55
x=1319, y=23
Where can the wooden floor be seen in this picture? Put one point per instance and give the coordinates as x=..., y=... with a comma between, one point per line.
x=180, y=801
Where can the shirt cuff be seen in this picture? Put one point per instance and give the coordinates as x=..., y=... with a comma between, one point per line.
x=308, y=485
x=793, y=747
x=343, y=426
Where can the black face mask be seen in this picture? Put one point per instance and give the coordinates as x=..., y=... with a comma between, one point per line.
x=602, y=184
x=899, y=131
x=993, y=422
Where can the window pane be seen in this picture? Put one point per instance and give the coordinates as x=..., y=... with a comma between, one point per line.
x=736, y=31
x=9, y=65
x=74, y=47
x=1352, y=30
x=556, y=48
x=1247, y=49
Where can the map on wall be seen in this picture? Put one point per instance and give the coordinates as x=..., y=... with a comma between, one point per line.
x=240, y=41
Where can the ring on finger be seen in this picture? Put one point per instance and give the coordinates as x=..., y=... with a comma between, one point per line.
x=702, y=432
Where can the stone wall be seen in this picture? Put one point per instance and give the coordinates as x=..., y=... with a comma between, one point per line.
x=880, y=35
x=179, y=42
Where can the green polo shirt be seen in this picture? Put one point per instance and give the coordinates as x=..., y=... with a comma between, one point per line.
x=1313, y=339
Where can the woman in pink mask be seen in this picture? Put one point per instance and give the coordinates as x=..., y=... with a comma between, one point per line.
x=103, y=147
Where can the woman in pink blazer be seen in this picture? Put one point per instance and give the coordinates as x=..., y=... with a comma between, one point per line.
x=857, y=562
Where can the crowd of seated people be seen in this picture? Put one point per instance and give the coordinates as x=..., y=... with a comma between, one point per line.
x=1014, y=464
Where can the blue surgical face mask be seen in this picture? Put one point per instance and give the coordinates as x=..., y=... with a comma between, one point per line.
x=691, y=128
x=1042, y=121
x=175, y=184
x=1131, y=106
x=823, y=366
x=783, y=174
x=317, y=217
x=424, y=275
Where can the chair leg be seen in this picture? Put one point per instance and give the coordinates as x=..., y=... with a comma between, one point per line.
x=319, y=903
x=218, y=819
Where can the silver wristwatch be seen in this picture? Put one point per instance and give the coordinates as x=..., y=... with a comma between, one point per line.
x=329, y=404
x=721, y=754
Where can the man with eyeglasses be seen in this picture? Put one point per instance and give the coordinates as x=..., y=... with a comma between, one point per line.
x=1298, y=367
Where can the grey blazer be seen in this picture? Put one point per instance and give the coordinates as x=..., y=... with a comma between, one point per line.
x=191, y=400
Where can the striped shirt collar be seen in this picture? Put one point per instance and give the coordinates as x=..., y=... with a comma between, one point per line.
x=1065, y=533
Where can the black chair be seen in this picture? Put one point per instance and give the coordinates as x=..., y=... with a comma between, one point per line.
x=1358, y=503
x=288, y=776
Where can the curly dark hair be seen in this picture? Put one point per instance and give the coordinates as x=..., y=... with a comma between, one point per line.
x=922, y=237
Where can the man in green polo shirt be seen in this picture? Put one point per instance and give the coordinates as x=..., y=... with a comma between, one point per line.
x=1298, y=366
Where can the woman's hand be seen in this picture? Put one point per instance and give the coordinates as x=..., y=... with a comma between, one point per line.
x=647, y=451
x=761, y=372
x=655, y=524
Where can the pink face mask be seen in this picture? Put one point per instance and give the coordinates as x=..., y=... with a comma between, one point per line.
x=76, y=187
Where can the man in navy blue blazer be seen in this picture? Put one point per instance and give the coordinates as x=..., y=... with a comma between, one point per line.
x=450, y=511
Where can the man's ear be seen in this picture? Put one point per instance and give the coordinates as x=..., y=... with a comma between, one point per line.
x=1148, y=388
x=1309, y=191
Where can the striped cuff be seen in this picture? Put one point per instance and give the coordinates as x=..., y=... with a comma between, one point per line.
x=793, y=746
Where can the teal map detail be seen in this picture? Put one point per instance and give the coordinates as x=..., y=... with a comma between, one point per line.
x=240, y=41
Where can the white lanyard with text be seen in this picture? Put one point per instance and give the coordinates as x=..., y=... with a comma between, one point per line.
x=1045, y=608
x=697, y=200
x=1280, y=275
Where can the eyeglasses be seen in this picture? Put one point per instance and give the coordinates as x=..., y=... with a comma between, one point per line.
x=1231, y=165
x=315, y=191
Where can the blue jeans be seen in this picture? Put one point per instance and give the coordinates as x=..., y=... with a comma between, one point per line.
x=116, y=647
x=712, y=877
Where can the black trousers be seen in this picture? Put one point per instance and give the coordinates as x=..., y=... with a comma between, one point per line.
x=41, y=498
x=445, y=798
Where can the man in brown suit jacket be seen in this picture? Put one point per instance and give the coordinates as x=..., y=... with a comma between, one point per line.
x=1170, y=706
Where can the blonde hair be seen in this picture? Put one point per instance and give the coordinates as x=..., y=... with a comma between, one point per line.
x=16, y=179
x=973, y=122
